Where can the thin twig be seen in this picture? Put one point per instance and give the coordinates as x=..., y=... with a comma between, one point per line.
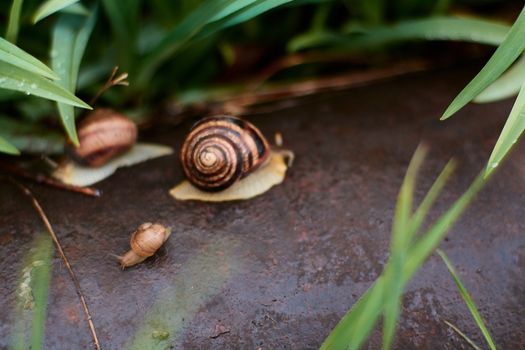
x=51, y=232
x=112, y=81
x=43, y=179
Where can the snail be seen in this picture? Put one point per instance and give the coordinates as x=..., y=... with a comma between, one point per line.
x=144, y=242
x=221, y=150
x=227, y=158
x=107, y=142
x=103, y=135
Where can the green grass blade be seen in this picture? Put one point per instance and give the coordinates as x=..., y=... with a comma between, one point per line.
x=14, y=78
x=70, y=36
x=14, y=21
x=354, y=327
x=32, y=295
x=6, y=147
x=512, y=130
x=506, y=53
x=401, y=238
x=433, y=193
x=468, y=300
x=462, y=335
x=429, y=241
x=51, y=6
x=507, y=85
x=434, y=28
x=15, y=56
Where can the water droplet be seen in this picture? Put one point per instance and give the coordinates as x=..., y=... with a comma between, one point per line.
x=494, y=165
x=513, y=142
x=53, y=53
x=28, y=93
x=34, y=86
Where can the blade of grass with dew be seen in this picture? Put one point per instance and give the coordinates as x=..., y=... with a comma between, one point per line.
x=512, y=130
x=435, y=28
x=401, y=238
x=50, y=7
x=506, y=53
x=70, y=37
x=468, y=300
x=6, y=147
x=13, y=25
x=507, y=85
x=354, y=327
x=17, y=57
x=32, y=296
x=14, y=78
x=462, y=335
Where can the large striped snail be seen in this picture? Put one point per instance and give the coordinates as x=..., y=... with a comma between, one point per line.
x=227, y=158
x=221, y=150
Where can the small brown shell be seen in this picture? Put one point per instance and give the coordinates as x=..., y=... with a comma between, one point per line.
x=103, y=134
x=221, y=150
x=145, y=241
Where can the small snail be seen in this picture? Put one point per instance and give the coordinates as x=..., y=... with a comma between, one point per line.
x=103, y=135
x=221, y=150
x=145, y=241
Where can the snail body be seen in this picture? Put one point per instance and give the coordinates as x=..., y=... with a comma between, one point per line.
x=221, y=150
x=103, y=135
x=144, y=242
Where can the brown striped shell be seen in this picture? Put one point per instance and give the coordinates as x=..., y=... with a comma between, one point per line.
x=220, y=150
x=103, y=135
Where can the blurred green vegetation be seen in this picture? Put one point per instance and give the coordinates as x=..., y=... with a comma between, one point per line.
x=172, y=47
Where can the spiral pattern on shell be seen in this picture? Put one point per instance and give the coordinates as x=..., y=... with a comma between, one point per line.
x=220, y=150
x=103, y=135
x=148, y=239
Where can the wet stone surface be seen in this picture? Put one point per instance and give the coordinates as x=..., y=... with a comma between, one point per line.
x=279, y=271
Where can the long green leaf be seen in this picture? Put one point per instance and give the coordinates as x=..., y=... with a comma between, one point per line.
x=14, y=21
x=14, y=78
x=15, y=56
x=70, y=37
x=6, y=147
x=503, y=57
x=512, y=130
x=507, y=85
x=434, y=28
x=51, y=6
x=468, y=300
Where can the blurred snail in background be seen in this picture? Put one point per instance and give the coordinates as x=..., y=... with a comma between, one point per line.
x=103, y=135
x=145, y=241
x=221, y=150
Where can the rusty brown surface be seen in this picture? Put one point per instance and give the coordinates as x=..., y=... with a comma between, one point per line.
x=279, y=271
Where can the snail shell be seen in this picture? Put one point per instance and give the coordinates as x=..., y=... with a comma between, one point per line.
x=221, y=150
x=103, y=135
x=145, y=241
